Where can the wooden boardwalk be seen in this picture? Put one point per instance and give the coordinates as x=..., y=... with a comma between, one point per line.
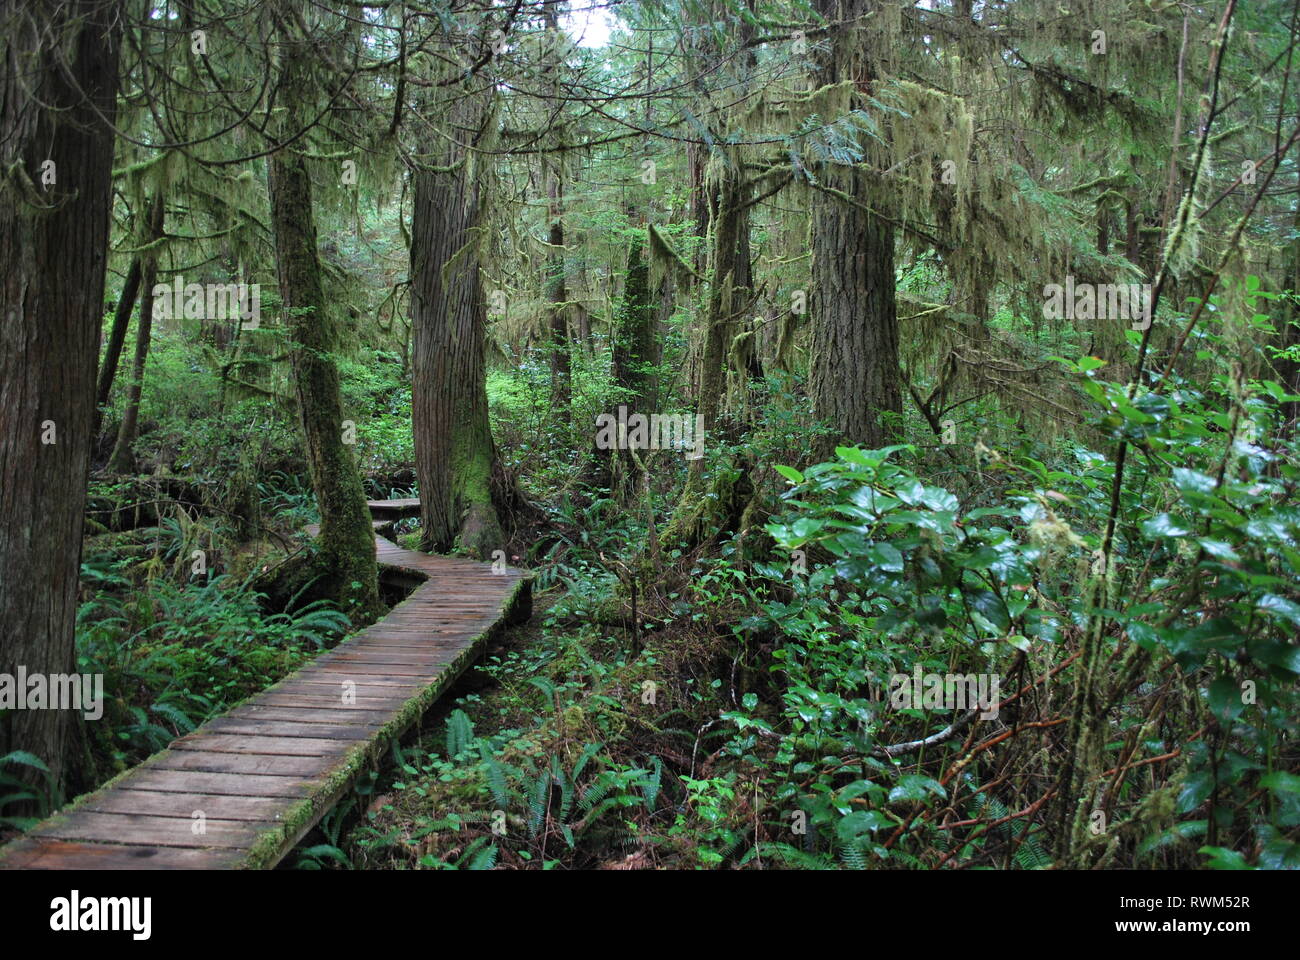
x=385, y=510
x=244, y=788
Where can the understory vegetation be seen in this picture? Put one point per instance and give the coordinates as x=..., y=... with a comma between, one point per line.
x=744, y=717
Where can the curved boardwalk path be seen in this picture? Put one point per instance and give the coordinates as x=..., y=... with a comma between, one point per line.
x=244, y=788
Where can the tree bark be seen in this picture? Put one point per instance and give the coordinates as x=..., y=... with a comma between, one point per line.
x=854, y=371
x=635, y=334
x=634, y=347
x=116, y=339
x=57, y=100
x=122, y=459
x=697, y=508
x=456, y=460
x=696, y=159
x=1288, y=370
x=561, y=360
x=556, y=295
x=346, y=543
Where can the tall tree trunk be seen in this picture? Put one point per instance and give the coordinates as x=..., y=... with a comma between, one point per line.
x=726, y=296
x=854, y=372
x=346, y=544
x=116, y=339
x=122, y=459
x=57, y=99
x=561, y=359
x=698, y=507
x=634, y=347
x=697, y=158
x=725, y=190
x=635, y=334
x=1133, y=216
x=1287, y=369
x=556, y=295
x=455, y=457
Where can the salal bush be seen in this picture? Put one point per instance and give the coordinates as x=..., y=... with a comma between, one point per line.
x=1196, y=689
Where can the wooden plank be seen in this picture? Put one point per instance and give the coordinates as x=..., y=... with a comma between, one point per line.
x=324, y=711
x=146, y=830
x=365, y=695
x=392, y=674
x=50, y=854
x=166, y=780
x=330, y=702
x=212, y=806
x=293, y=729
x=357, y=671
x=378, y=655
x=325, y=685
x=251, y=743
x=425, y=665
x=379, y=663
x=420, y=641
x=287, y=770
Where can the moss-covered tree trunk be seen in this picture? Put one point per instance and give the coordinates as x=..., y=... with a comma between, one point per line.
x=635, y=338
x=58, y=85
x=1288, y=369
x=346, y=543
x=699, y=508
x=455, y=457
x=635, y=344
x=556, y=296
x=122, y=459
x=117, y=338
x=708, y=504
x=854, y=371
